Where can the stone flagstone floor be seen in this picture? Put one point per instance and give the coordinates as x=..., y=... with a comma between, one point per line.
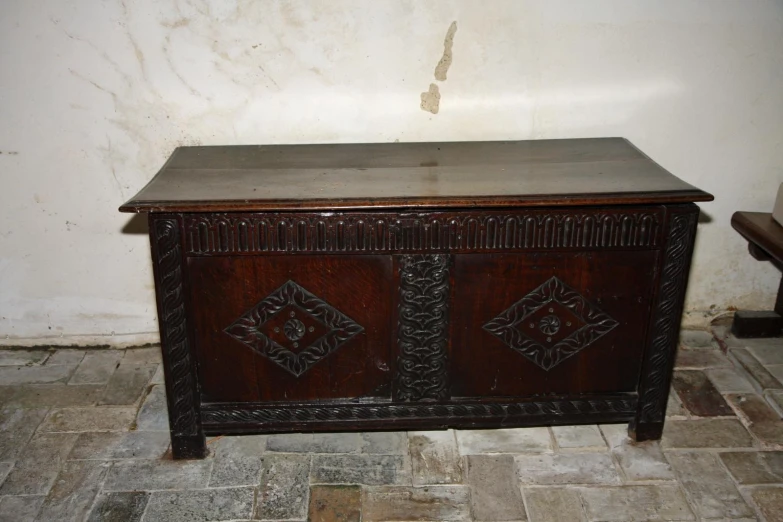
x=83, y=436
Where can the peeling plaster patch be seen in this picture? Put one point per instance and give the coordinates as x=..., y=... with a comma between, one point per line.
x=430, y=100
x=445, y=62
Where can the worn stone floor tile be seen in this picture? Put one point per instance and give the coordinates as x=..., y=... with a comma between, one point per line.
x=119, y=507
x=139, y=475
x=65, y=357
x=143, y=356
x=775, y=399
x=6, y=392
x=631, y=503
x=705, y=433
x=230, y=470
x=776, y=370
x=154, y=414
x=721, y=327
x=770, y=502
x=435, y=458
x=238, y=445
x=127, y=384
x=284, y=490
x=335, y=504
x=729, y=342
x=55, y=395
x=39, y=464
x=709, y=488
x=697, y=339
x=384, y=442
x=699, y=395
x=754, y=467
x=359, y=469
x=729, y=380
x=159, y=376
x=495, y=493
x=674, y=407
x=761, y=379
x=89, y=419
x=568, y=468
x=203, y=505
x=761, y=420
x=16, y=375
x=553, y=505
x=514, y=440
x=638, y=460
x=700, y=359
x=120, y=445
x=314, y=442
x=96, y=367
x=18, y=357
x=74, y=491
x=16, y=428
x=768, y=351
x=581, y=438
x=441, y=503
x=5, y=469
x=20, y=509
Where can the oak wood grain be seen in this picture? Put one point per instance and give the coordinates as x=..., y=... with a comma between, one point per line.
x=410, y=175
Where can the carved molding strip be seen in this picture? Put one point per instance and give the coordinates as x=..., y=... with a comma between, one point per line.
x=251, y=329
x=422, y=371
x=455, y=231
x=174, y=335
x=537, y=338
x=213, y=414
x=666, y=322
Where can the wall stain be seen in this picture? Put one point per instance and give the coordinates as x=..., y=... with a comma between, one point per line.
x=445, y=62
x=430, y=100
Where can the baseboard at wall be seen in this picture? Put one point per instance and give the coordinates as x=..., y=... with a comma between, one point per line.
x=702, y=319
x=84, y=340
x=694, y=320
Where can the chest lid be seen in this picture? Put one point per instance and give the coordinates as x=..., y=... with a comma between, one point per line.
x=595, y=171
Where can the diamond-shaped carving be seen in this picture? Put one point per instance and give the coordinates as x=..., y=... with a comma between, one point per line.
x=293, y=328
x=550, y=324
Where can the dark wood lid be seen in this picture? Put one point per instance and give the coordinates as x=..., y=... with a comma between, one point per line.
x=410, y=175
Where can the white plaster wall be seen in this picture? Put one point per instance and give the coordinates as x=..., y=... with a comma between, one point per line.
x=94, y=95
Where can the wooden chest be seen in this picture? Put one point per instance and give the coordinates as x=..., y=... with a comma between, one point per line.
x=417, y=285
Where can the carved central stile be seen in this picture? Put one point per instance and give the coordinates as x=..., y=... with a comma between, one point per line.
x=423, y=328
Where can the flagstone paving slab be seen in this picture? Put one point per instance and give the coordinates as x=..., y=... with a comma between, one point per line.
x=518, y=440
x=711, y=491
x=435, y=458
x=554, y=505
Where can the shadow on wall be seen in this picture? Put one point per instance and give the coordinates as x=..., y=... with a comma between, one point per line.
x=137, y=224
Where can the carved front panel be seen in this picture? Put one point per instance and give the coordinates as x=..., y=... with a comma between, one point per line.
x=294, y=328
x=469, y=318
x=531, y=324
x=302, y=344
x=550, y=324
